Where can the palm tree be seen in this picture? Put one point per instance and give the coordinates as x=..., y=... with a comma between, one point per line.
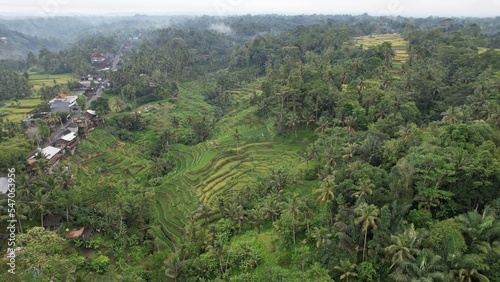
x=173, y=266
x=467, y=267
x=368, y=215
x=350, y=123
x=41, y=202
x=479, y=231
x=53, y=119
x=426, y=202
x=327, y=189
x=322, y=124
x=271, y=207
x=118, y=105
x=203, y=212
x=364, y=189
x=236, y=212
x=204, y=237
x=347, y=269
x=321, y=235
x=258, y=215
x=350, y=150
x=402, y=248
x=451, y=116
x=426, y=268
x=41, y=164
x=494, y=114
x=292, y=121
x=308, y=119
x=294, y=208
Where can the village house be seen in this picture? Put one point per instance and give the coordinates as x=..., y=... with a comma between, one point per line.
x=63, y=103
x=97, y=57
x=73, y=127
x=67, y=142
x=52, y=223
x=80, y=233
x=51, y=154
x=88, y=121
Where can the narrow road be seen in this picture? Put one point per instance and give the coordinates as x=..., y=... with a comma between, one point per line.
x=98, y=94
x=114, y=66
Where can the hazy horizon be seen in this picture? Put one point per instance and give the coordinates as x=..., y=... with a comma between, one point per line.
x=425, y=8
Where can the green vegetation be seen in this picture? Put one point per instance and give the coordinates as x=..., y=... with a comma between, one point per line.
x=324, y=152
x=16, y=110
x=37, y=80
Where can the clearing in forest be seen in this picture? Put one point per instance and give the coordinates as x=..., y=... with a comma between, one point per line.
x=398, y=45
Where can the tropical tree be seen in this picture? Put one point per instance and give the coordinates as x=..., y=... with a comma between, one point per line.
x=42, y=202
x=292, y=121
x=293, y=208
x=350, y=123
x=467, y=267
x=350, y=150
x=321, y=235
x=367, y=217
x=480, y=231
x=347, y=269
x=118, y=105
x=271, y=207
x=426, y=268
x=452, y=115
x=236, y=212
x=258, y=215
x=403, y=246
x=363, y=189
x=327, y=189
x=173, y=267
x=53, y=119
x=203, y=212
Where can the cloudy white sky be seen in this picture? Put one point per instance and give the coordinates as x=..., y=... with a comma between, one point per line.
x=418, y=8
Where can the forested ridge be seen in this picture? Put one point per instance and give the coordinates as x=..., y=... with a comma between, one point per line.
x=272, y=152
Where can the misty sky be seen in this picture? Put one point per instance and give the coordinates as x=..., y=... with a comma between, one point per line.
x=420, y=8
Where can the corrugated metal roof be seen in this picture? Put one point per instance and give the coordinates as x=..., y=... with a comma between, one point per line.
x=68, y=137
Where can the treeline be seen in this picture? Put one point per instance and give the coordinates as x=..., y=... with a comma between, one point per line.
x=152, y=71
x=13, y=85
x=75, y=59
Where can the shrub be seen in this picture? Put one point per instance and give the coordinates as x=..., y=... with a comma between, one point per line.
x=100, y=264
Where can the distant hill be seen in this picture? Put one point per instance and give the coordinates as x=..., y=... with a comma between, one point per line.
x=18, y=36
x=15, y=45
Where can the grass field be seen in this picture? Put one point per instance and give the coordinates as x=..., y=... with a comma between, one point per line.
x=13, y=112
x=38, y=80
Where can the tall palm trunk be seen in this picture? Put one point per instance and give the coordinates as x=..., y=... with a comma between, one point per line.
x=364, y=245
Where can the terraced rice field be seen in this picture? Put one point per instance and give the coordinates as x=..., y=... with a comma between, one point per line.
x=13, y=112
x=105, y=159
x=398, y=45
x=208, y=171
x=38, y=80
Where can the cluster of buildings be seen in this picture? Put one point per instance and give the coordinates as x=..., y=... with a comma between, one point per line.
x=60, y=144
x=65, y=140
